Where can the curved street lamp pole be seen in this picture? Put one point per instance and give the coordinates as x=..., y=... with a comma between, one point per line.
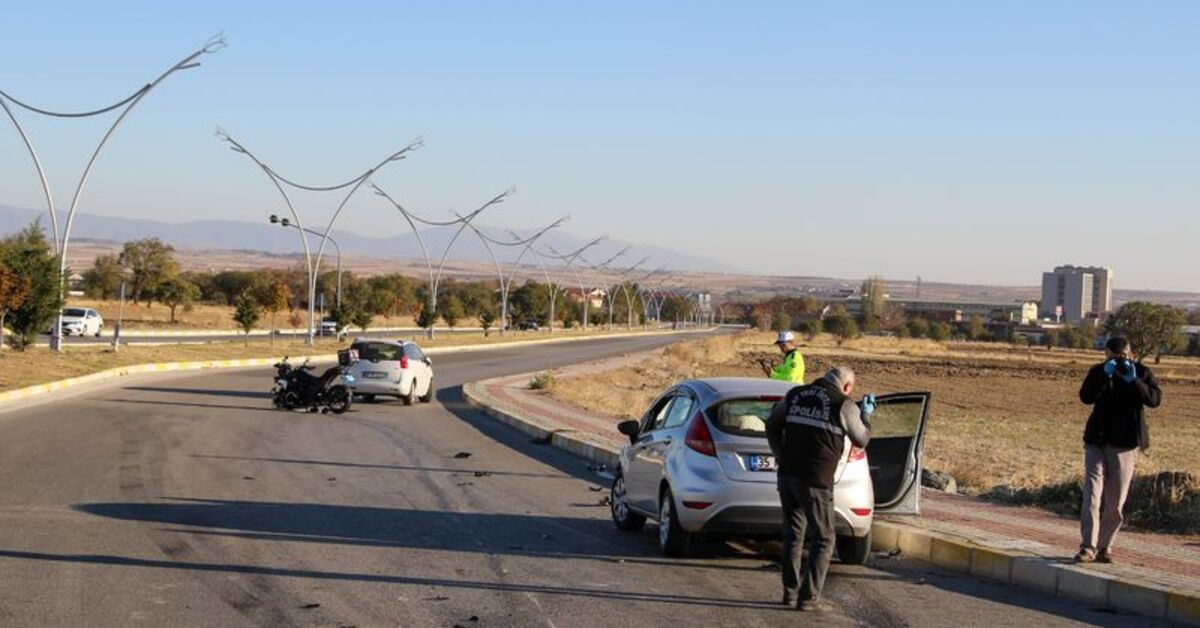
x=285, y=222
x=569, y=260
x=462, y=221
x=621, y=283
x=599, y=279
x=62, y=241
x=313, y=263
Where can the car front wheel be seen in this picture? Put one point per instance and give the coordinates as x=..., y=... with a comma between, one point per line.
x=673, y=540
x=428, y=396
x=854, y=550
x=622, y=515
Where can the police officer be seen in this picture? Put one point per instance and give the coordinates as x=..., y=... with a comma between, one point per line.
x=807, y=432
x=792, y=367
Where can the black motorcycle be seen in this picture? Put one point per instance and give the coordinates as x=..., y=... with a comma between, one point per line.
x=296, y=387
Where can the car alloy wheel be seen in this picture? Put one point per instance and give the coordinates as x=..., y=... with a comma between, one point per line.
x=622, y=515
x=673, y=540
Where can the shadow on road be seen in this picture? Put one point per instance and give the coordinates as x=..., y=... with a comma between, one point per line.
x=246, y=394
x=536, y=536
x=508, y=587
x=395, y=467
x=184, y=404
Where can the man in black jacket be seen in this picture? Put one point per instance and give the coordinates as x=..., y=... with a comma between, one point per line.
x=807, y=432
x=1118, y=390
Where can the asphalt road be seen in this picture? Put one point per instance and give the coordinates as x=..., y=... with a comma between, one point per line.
x=187, y=501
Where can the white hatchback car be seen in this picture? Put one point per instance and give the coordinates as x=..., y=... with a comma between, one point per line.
x=391, y=368
x=698, y=463
x=81, y=321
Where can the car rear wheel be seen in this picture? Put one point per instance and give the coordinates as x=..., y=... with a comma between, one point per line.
x=411, y=397
x=854, y=550
x=428, y=396
x=673, y=540
x=622, y=515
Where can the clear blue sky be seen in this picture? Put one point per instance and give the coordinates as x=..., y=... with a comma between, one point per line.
x=960, y=141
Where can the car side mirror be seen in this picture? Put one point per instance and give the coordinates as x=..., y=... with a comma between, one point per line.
x=428, y=361
x=630, y=429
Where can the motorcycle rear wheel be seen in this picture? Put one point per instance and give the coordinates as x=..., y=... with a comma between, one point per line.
x=339, y=399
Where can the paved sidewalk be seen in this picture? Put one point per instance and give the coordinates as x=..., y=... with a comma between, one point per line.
x=1157, y=574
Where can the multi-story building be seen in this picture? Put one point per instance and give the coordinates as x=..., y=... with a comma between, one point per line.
x=1076, y=293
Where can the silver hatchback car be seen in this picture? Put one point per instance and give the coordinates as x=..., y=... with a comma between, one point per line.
x=698, y=462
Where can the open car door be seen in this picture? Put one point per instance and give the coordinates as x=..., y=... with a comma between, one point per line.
x=894, y=453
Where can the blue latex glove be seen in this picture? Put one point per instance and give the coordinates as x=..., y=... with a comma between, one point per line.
x=1131, y=374
x=868, y=405
x=1110, y=368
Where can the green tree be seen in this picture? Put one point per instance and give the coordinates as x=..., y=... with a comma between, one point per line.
x=939, y=332
x=426, y=317
x=274, y=297
x=841, y=327
x=13, y=290
x=874, y=295
x=245, y=313
x=450, y=309
x=149, y=262
x=231, y=283
x=781, y=321
x=27, y=255
x=808, y=328
x=362, y=319
x=176, y=292
x=976, y=328
x=917, y=327
x=1052, y=338
x=1193, y=348
x=103, y=279
x=487, y=318
x=1152, y=329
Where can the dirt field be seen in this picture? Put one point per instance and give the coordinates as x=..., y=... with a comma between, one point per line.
x=1000, y=415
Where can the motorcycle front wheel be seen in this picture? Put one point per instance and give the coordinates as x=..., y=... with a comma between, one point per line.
x=339, y=399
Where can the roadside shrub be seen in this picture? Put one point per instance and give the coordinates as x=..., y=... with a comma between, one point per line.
x=1165, y=502
x=542, y=381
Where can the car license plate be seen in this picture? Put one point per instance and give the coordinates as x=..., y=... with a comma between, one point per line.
x=375, y=374
x=760, y=462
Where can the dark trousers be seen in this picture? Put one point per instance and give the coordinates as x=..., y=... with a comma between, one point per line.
x=808, y=510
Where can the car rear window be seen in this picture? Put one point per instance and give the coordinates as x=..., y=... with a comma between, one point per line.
x=73, y=311
x=377, y=351
x=742, y=417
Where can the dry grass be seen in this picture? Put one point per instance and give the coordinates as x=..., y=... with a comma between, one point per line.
x=40, y=365
x=156, y=316
x=1001, y=415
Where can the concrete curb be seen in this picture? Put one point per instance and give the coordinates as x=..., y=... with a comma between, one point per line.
x=1058, y=577
x=570, y=441
x=39, y=390
x=1054, y=577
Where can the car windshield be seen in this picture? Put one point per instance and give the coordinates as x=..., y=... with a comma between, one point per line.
x=377, y=351
x=74, y=311
x=742, y=417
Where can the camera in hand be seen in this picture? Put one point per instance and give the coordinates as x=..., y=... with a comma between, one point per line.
x=1124, y=366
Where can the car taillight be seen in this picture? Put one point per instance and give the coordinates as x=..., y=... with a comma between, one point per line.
x=857, y=454
x=403, y=361
x=699, y=438
x=862, y=512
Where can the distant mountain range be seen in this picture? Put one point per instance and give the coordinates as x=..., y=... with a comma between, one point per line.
x=251, y=236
